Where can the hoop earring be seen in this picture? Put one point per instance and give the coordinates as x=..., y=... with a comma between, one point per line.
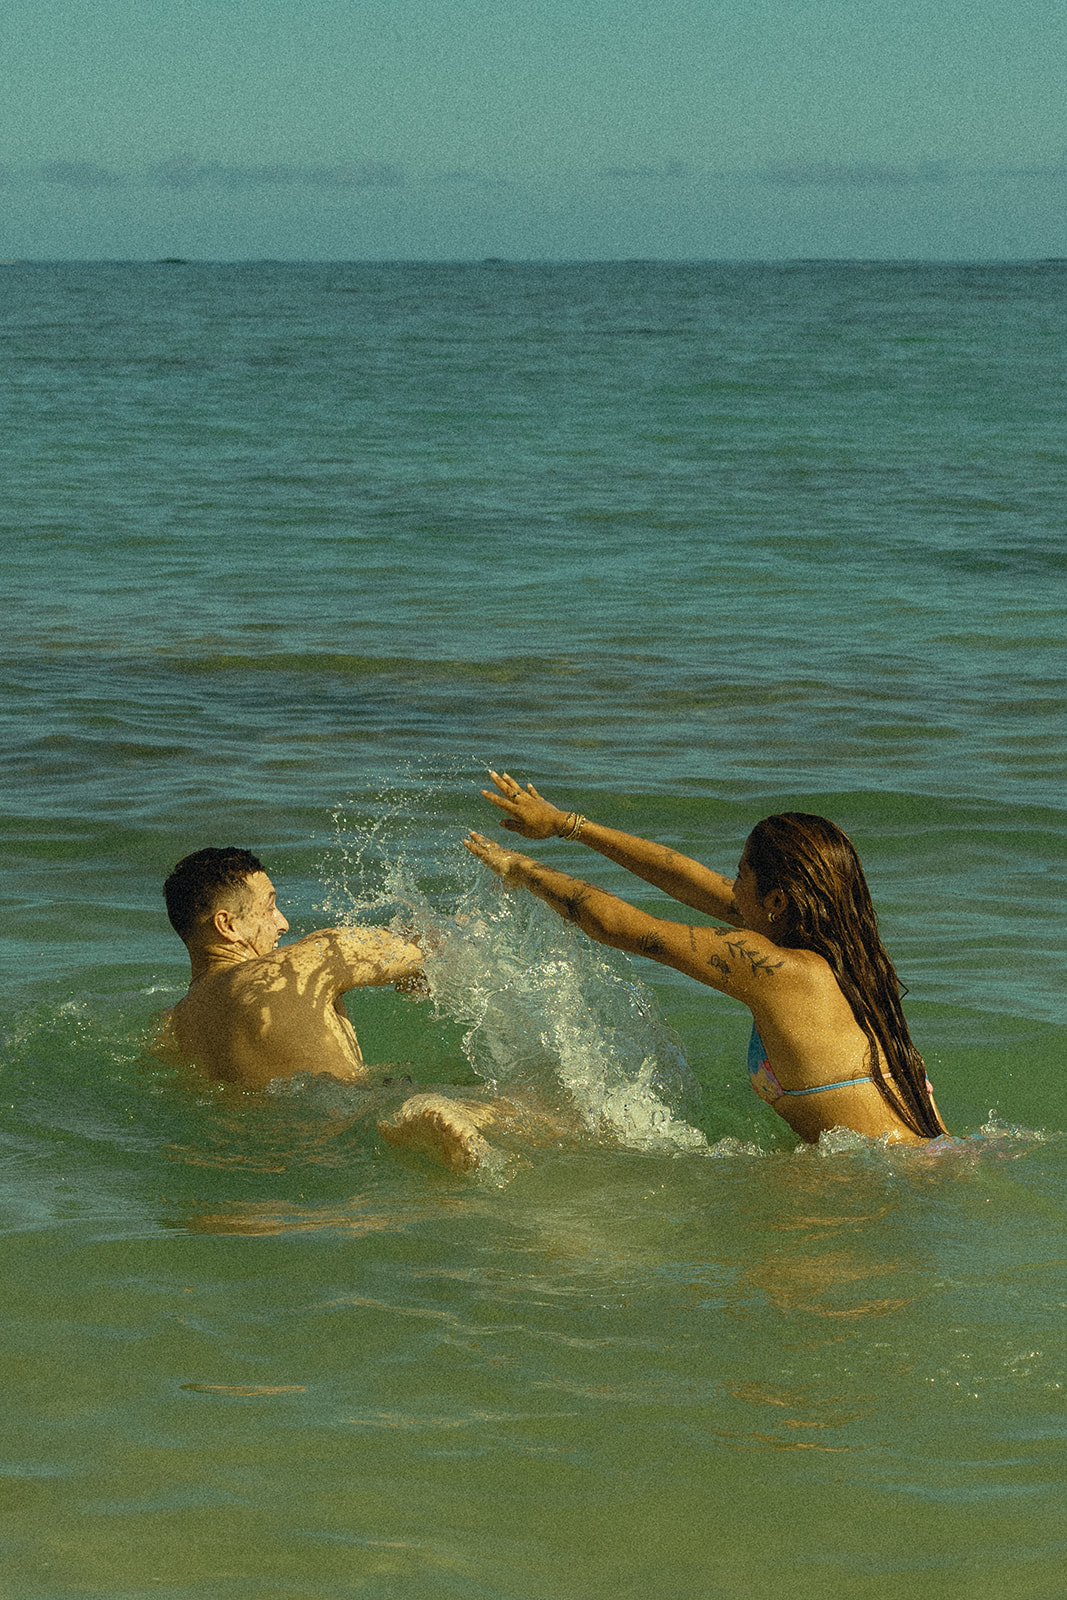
x=770, y=916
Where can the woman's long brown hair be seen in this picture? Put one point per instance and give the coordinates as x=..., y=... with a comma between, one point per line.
x=816, y=867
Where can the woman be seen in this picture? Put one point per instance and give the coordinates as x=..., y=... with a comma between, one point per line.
x=830, y=1046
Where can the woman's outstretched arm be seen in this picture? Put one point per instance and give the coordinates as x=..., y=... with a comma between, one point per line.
x=738, y=963
x=528, y=813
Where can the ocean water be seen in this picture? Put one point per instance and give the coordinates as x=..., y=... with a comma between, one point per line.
x=291, y=555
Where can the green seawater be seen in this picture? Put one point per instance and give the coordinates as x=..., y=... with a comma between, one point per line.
x=291, y=555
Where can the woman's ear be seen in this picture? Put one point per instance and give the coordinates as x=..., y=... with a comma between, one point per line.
x=776, y=905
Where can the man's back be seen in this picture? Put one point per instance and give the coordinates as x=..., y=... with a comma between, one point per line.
x=280, y=1014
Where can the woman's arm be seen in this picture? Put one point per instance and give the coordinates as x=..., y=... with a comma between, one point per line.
x=738, y=963
x=690, y=882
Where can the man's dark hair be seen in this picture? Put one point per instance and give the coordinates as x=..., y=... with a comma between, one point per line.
x=196, y=885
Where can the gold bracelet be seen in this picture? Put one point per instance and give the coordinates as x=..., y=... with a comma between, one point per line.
x=574, y=825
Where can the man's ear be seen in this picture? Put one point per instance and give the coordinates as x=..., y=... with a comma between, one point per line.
x=222, y=922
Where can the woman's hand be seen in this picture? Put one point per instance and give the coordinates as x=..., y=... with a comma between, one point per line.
x=526, y=811
x=507, y=864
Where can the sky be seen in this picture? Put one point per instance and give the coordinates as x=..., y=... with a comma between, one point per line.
x=533, y=129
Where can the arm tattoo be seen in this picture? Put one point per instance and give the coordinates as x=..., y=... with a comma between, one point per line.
x=650, y=944
x=568, y=905
x=759, y=964
x=714, y=960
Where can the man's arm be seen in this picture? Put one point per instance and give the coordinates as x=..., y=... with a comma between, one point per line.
x=353, y=958
x=690, y=882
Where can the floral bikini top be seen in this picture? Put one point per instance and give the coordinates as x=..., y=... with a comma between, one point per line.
x=766, y=1085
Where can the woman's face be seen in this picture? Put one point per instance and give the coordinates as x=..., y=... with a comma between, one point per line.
x=746, y=895
x=756, y=912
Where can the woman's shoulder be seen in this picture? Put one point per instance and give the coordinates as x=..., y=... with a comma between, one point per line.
x=808, y=977
x=738, y=961
x=808, y=966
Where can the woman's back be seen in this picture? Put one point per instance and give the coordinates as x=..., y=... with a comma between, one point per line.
x=810, y=1059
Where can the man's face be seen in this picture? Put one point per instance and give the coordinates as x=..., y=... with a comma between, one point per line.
x=257, y=921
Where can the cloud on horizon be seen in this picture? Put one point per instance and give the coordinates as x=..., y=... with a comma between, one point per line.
x=672, y=169
x=80, y=174
x=182, y=173
x=855, y=175
x=461, y=177
x=1056, y=169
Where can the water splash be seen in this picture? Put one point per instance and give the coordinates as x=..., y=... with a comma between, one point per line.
x=542, y=1007
x=540, y=1003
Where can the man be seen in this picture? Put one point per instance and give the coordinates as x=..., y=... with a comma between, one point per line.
x=256, y=1012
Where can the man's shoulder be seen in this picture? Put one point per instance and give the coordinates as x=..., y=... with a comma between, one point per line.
x=343, y=949
x=326, y=953
x=321, y=964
